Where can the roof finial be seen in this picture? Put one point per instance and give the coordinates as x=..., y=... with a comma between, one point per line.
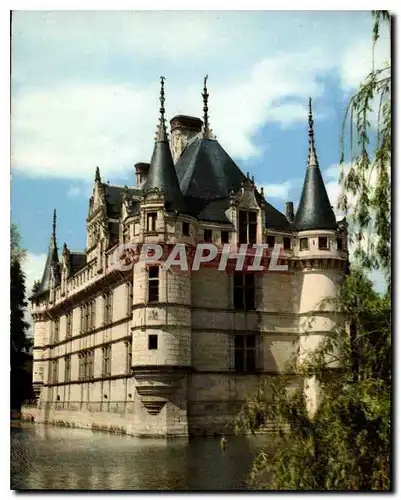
x=312, y=156
x=206, y=130
x=161, y=131
x=54, y=224
x=97, y=175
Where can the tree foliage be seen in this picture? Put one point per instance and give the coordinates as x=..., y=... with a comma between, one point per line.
x=17, y=253
x=19, y=343
x=346, y=443
x=368, y=179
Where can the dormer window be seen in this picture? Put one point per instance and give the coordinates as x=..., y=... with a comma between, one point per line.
x=304, y=244
x=247, y=224
x=323, y=242
x=207, y=235
x=185, y=229
x=151, y=221
x=270, y=240
x=225, y=236
x=287, y=243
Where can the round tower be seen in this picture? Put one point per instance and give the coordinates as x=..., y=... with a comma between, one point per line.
x=161, y=332
x=321, y=257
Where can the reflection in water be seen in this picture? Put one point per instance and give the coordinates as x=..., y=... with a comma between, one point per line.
x=44, y=457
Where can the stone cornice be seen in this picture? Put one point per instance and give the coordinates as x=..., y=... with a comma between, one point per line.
x=94, y=289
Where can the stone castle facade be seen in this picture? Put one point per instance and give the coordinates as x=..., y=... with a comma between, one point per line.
x=163, y=353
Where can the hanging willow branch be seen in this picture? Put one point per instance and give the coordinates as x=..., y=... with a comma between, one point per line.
x=368, y=177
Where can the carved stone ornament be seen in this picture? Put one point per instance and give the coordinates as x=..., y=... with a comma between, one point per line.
x=153, y=193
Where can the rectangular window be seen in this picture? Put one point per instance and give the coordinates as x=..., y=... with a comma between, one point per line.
x=225, y=236
x=67, y=368
x=84, y=318
x=270, y=240
x=185, y=228
x=287, y=243
x=80, y=366
x=93, y=314
x=153, y=283
x=83, y=362
x=108, y=308
x=151, y=221
x=56, y=330
x=339, y=243
x=68, y=333
x=128, y=356
x=244, y=291
x=304, y=244
x=91, y=363
x=152, y=342
x=89, y=316
x=106, y=372
x=54, y=371
x=207, y=235
x=247, y=226
x=323, y=243
x=130, y=297
x=245, y=353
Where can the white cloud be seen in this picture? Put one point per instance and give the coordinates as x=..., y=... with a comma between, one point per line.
x=278, y=191
x=66, y=131
x=86, y=92
x=78, y=190
x=33, y=268
x=333, y=190
x=358, y=59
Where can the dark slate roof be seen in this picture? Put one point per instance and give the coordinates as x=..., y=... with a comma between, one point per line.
x=206, y=172
x=215, y=212
x=114, y=198
x=314, y=210
x=77, y=261
x=274, y=219
x=162, y=176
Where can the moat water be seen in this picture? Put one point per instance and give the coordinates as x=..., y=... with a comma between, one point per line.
x=48, y=457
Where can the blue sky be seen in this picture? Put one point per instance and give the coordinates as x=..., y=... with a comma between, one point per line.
x=85, y=88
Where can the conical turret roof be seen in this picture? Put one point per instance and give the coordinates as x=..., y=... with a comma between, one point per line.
x=314, y=210
x=52, y=267
x=162, y=174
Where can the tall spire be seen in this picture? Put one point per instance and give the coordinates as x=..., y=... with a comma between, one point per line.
x=314, y=210
x=52, y=266
x=97, y=175
x=54, y=225
x=312, y=156
x=162, y=175
x=206, y=130
x=161, y=129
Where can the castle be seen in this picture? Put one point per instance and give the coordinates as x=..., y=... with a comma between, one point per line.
x=153, y=352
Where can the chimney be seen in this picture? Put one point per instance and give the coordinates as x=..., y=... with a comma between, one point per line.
x=289, y=211
x=141, y=173
x=183, y=129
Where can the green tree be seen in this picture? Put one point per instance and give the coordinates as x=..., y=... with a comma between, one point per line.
x=368, y=179
x=345, y=445
x=21, y=385
x=17, y=253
